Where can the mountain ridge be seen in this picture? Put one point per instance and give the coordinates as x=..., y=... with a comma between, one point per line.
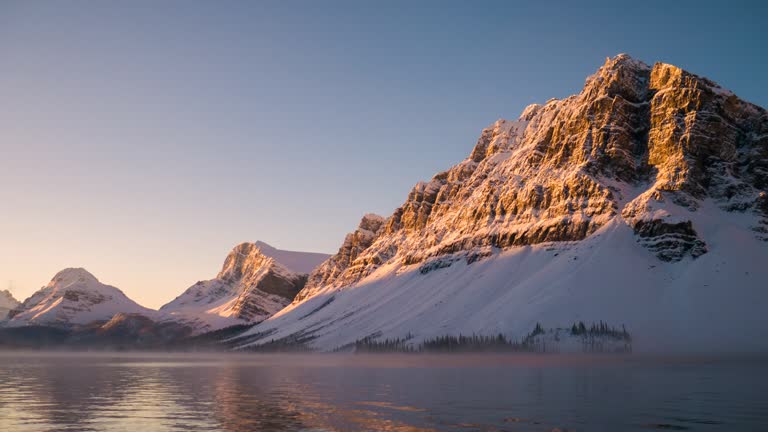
x=74, y=299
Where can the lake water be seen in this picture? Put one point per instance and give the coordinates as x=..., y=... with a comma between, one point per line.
x=195, y=392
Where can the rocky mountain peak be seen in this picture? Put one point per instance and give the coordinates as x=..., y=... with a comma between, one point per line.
x=253, y=284
x=642, y=144
x=620, y=76
x=245, y=258
x=649, y=187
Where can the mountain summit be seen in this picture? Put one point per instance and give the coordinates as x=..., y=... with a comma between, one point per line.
x=73, y=297
x=253, y=284
x=641, y=200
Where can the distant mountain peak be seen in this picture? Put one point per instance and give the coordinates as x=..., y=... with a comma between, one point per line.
x=73, y=275
x=244, y=258
x=73, y=297
x=255, y=281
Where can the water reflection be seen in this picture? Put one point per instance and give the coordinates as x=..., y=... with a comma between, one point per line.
x=130, y=392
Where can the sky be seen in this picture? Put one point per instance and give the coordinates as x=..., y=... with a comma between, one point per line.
x=143, y=140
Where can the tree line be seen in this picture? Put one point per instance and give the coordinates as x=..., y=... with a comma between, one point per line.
x=592, y=337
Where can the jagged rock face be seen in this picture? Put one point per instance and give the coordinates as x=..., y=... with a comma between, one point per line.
x=643, y=144
x=249, y=288
x=696, y=128
x=7, y=303
x=248, y=267
x=670, y=241
x=73, y=297
x=353, y=245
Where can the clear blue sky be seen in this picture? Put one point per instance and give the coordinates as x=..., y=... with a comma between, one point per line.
x=142, y=140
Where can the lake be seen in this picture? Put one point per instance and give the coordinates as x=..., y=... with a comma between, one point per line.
x=262, y=392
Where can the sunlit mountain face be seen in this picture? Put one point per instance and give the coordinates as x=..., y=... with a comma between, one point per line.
x=638, y=204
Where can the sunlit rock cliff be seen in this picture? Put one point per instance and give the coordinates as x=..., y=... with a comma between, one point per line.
x=629, y=200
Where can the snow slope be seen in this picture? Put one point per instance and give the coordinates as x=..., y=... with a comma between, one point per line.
x=714, y=302
x=74, y=297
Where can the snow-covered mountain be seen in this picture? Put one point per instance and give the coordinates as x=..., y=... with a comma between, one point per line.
x=73, y=297
x=640, y=201
x=7, y=303
x=256, y=281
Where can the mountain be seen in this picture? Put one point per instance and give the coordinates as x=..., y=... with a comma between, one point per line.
x=640, y=201
x=256, y=281
x=7, y=303
x=74, y=297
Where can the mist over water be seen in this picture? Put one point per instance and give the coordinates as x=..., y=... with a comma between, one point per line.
x=220, y=392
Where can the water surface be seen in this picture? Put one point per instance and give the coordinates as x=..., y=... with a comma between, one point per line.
x=220, y=392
